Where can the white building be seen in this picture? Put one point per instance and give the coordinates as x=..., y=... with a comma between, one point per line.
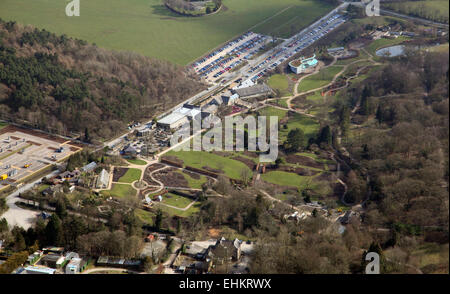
x=173, y=120
x=103, y=180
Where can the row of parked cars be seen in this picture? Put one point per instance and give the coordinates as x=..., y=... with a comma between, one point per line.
x=300, y=43
x=228, y=45
x=236, y=53
x=244, y=48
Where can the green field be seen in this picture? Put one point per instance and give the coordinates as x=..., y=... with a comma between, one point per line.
x=320, y=79
x=316, y=97
x=145, y=216
x=2, y=125
x=149, y=28
x=287, y=179
x=199, y=159
x=172, y=211
x=279, y=83
x=194, y=183
x=308, y=125
x=176, y=200
x=131, y=175
x=120, y=191
x=137, y=161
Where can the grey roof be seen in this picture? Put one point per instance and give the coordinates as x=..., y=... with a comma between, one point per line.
x=172, y=118
x=254, y=90
x=335, y=49
x=89, y=167
x=103, y=178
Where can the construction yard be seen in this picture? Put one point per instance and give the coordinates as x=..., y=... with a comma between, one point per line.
x=24, y=153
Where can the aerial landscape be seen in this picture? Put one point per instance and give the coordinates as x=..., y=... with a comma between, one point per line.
x=224, y=137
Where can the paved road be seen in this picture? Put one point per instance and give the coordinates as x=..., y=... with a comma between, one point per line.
x=16, y=215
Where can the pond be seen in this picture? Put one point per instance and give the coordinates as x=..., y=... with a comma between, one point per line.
x=391, y=51
x=397, y=50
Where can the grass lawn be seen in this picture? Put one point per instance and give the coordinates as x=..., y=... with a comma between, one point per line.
x=172, y=211
x=137, y=161
x=132, y=174
x=287, y=179
x=308, y=125
x=145, y=216
x=272, y=111
x=315, y=97
x=199, y=159
x=320, y=79
x=121, y=191
x=149, y=28
x=283, y=103
x=194, y=183
x=2, y=125
x=279, y=83
x=176, y=200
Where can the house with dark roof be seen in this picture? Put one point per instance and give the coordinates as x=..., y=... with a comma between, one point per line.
x=257, y=90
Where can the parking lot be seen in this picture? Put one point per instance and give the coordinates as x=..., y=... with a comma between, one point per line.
x=295, y=45
x=234, y=53
x=23, y=153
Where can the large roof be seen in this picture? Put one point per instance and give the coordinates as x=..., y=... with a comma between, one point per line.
x=255, y=90
x=172, y=118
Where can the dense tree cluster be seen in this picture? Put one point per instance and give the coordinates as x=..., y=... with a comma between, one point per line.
x=406, y=153
x=68, y=86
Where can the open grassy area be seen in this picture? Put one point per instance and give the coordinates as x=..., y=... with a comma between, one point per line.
x=308, y=125
x=145, y=216
x=194, y=183
x=280, y=84
x=293, y=18
x=320, y=79
x=2, y=125
x=315, y=97
x=172, y=211
x=287, y=179
x=137, y=161
x=149, y=28
x=121, y=191
x=176, y=200
x=199, y=159
x=132, y=174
